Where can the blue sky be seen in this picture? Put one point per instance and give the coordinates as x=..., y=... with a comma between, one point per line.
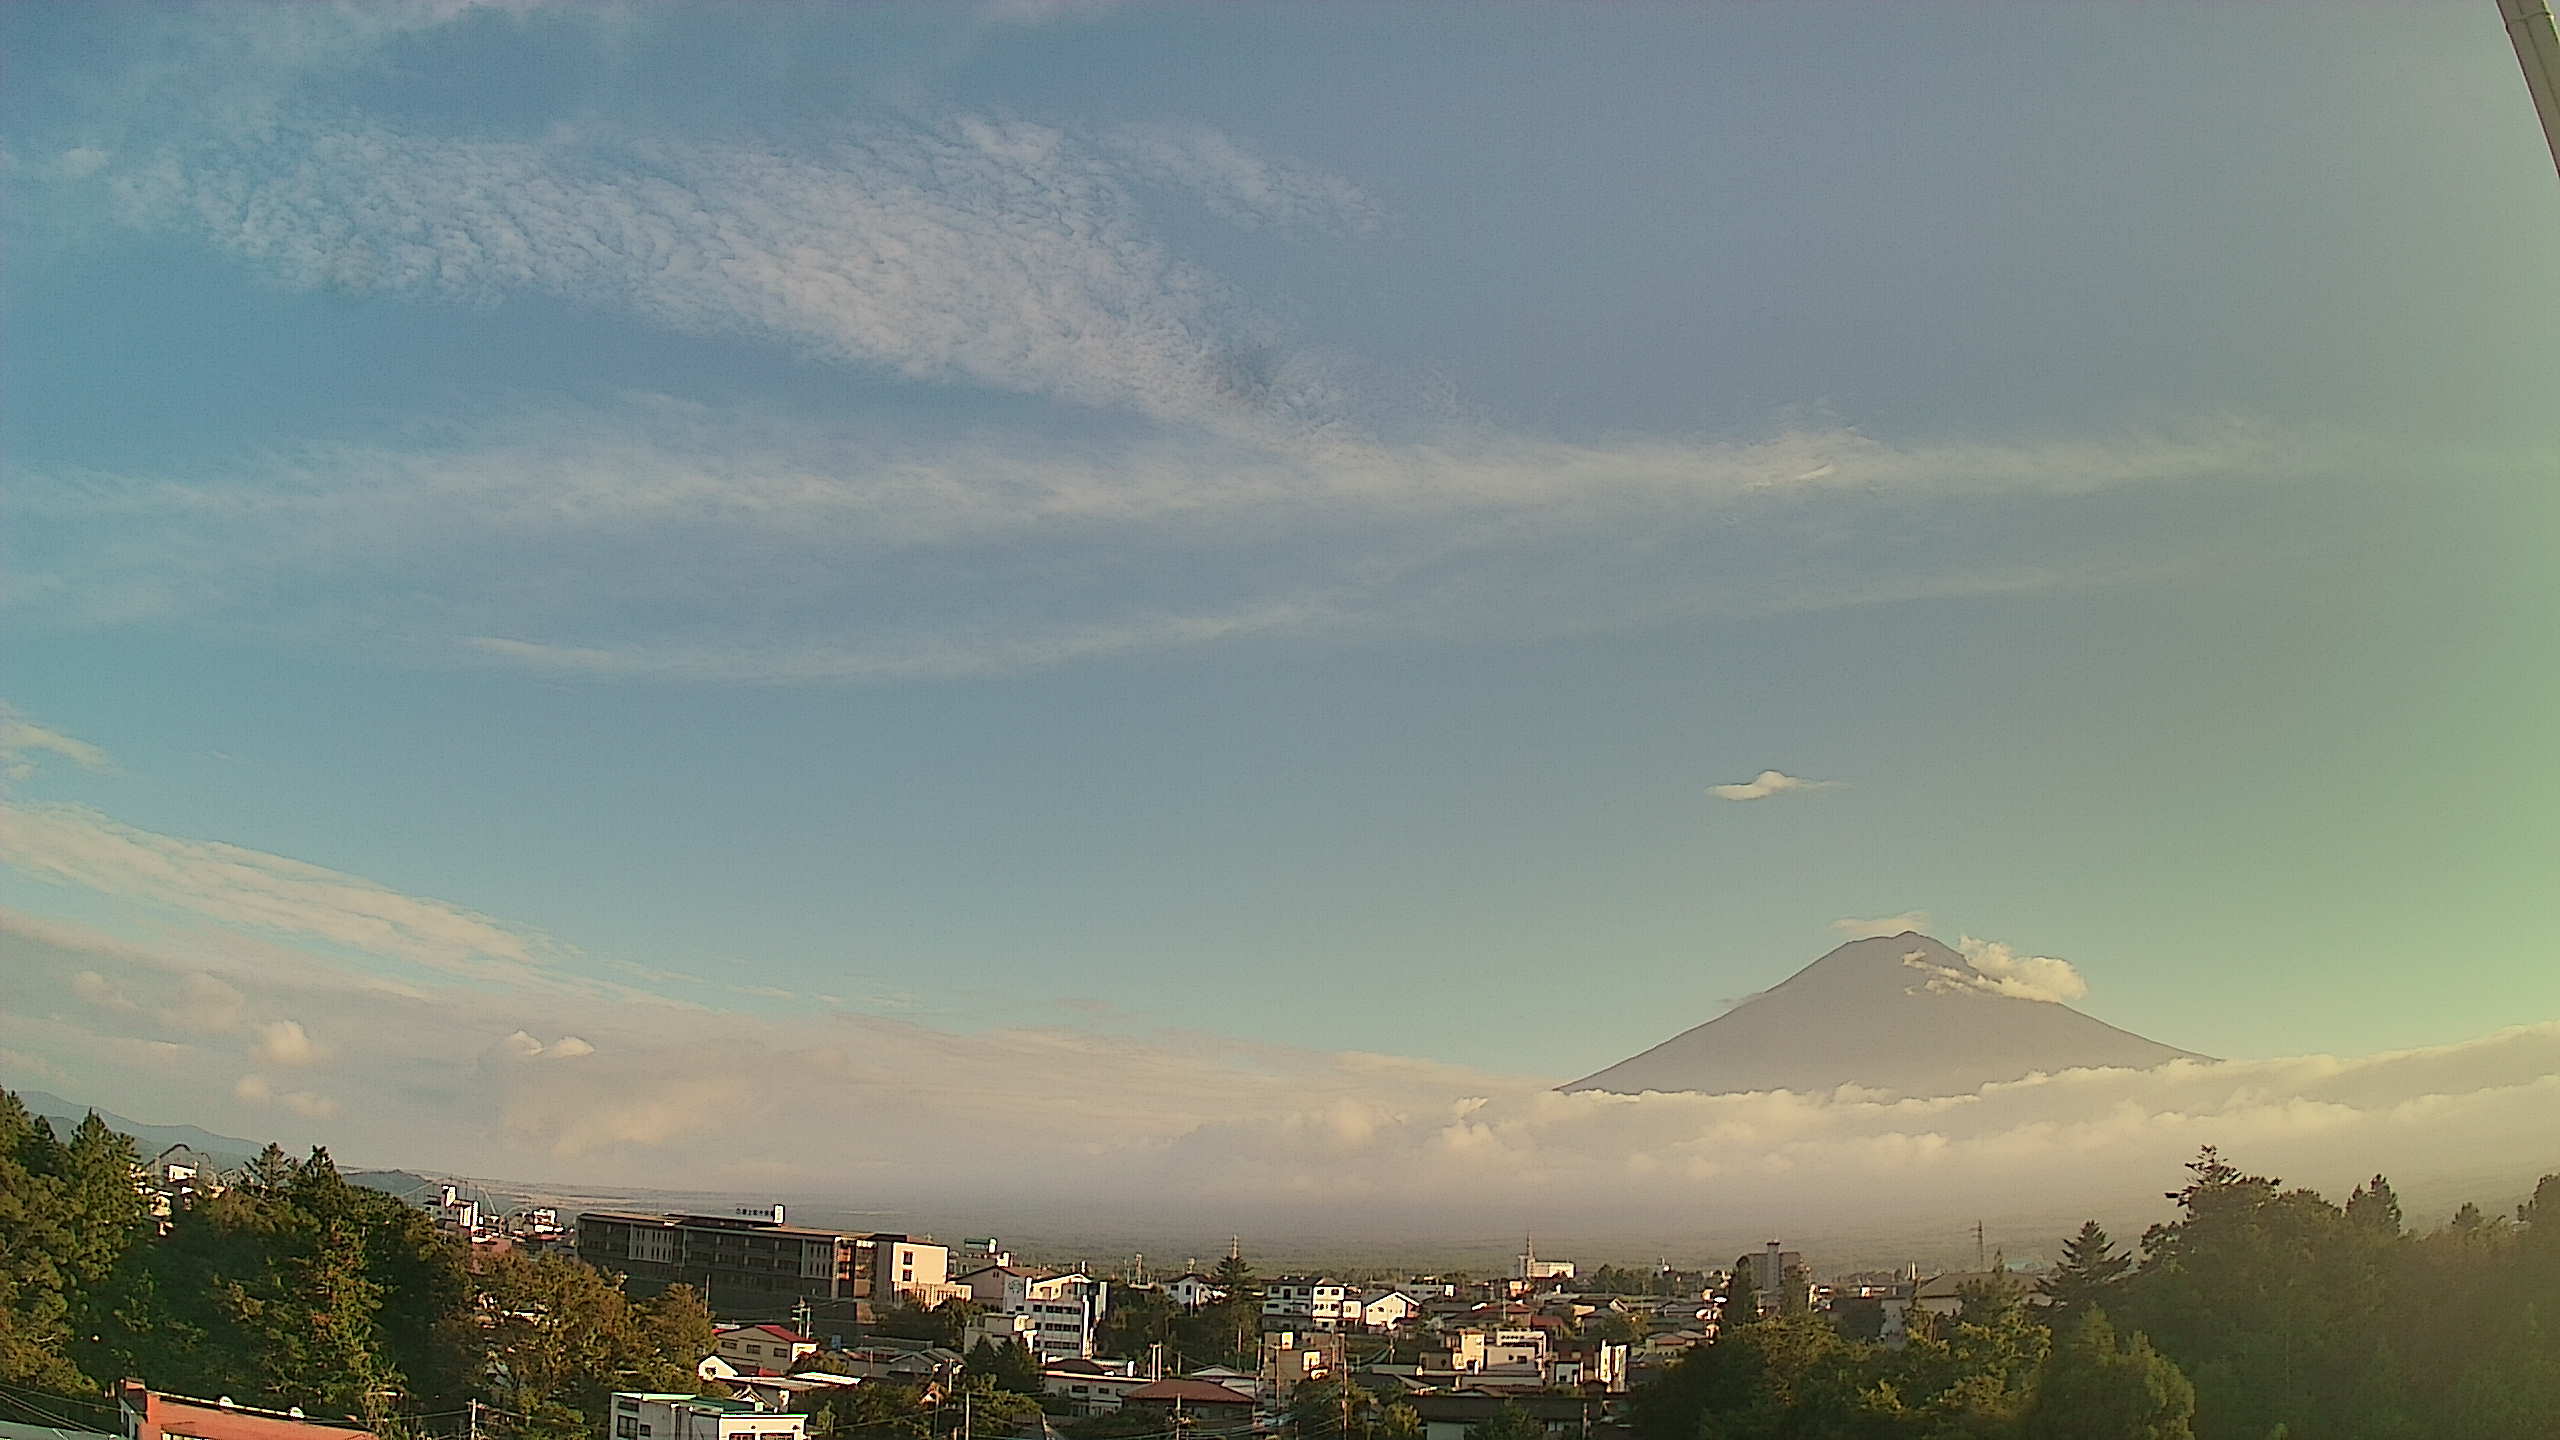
x=1256, y=526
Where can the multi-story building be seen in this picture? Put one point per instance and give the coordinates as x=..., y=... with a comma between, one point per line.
x=1778, y=1277
x=741, y=1265
x=650, y=1415
x=1291, y=1358
x=1062, y=1309
x=752, y=1265
x=890, y=1267
x=1311, y=1300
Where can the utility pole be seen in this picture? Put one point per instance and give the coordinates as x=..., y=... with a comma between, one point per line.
x=475, y=1419
x=1981, y=1260
x=2537, y=45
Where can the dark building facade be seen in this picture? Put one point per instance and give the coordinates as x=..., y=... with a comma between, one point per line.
x=741, y=1265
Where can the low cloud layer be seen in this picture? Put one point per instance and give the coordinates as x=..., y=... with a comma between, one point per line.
x=414, y=1032
x=554, y=1086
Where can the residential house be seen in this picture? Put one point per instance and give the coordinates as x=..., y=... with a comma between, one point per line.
x=1195, y=1406
x=762, y=1349
x=1383, y=1309
x=800, y=1394
x=654, y=1415
x=1249, y=1386
x=146, y=1414
x=1451, y=1416
x=907, y=1362
x=1093, y=1387
x=1191, y=1290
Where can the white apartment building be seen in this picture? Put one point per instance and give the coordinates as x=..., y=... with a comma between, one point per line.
x=1061, y=1310
x=1313, y=1300
x=649, y=1415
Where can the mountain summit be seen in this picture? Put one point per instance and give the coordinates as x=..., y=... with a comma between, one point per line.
x=1900, y=1013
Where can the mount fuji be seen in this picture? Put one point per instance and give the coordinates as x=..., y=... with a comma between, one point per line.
x=1899, y=1013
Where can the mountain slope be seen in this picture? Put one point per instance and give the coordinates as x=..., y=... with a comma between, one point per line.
x=1884, y=1014
x=149, y=1139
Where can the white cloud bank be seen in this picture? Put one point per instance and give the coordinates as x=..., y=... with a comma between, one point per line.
x=1169, y=1124
x=436, y=1022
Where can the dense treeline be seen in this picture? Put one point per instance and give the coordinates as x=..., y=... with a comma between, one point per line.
x=2258, y=1312
x=296, y=1288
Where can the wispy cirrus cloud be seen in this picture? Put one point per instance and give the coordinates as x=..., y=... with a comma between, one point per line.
x=23, y=743
x=1768, y=783
x=535, y=537
x=257, y=891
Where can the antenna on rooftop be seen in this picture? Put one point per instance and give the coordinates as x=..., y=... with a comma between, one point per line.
x=1981, y=1261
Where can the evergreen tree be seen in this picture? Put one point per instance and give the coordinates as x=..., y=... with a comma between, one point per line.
x=1006, y=1364
x=2375, y=1208
x=2095, y=1388
x=1236, y=1316
x=1510, y=1422
x=1741, y=1301
x=2088, y=1270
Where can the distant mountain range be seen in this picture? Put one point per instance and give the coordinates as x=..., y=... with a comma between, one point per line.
x=1901, y=1013
x=149, y=1139
x=227, y=1151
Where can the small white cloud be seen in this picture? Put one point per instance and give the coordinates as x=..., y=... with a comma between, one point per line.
x=1995, y=969
x=1768, y=783
x=523, y=1046
x=98, y=990
x=82, y=162
x=284, y=1042
x=309, y=1105
x=2029, y=977
x=1857, y=929
x=258, y=1090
